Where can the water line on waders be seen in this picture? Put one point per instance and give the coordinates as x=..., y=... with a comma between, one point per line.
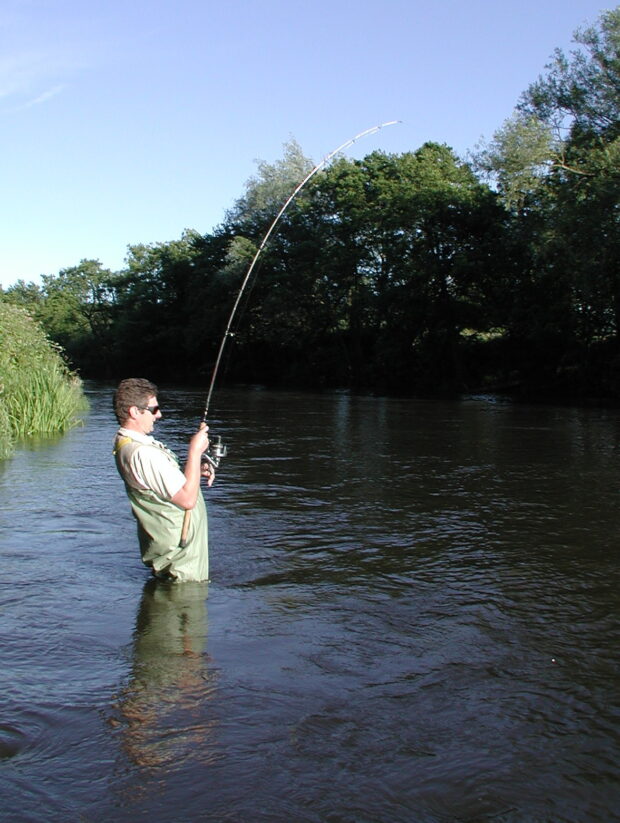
x=218, y=450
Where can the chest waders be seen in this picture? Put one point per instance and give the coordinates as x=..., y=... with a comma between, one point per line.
x=160, y=521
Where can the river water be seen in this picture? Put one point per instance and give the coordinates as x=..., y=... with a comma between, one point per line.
x=413, y=616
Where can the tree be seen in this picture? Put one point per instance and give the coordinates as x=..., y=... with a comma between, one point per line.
x=580, y=94
x=378, y=267
x=78, y=301
x=556, y=164
x=154, y=302
x=519, y=158
x=27, y=295
x=75, y=308
x=268, y=191
x=564, y=120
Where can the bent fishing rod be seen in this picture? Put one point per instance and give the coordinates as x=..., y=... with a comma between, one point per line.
x=216, y=449
x=265, y=240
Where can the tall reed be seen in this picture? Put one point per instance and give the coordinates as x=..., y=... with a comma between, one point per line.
x=38, y=392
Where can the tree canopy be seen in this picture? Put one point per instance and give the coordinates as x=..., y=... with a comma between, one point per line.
x=394, y=273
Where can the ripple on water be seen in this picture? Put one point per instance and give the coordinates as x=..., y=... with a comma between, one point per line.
x=13, y=740
x=415, y=619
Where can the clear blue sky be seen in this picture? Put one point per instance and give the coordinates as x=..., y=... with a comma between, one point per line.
x=127, y=121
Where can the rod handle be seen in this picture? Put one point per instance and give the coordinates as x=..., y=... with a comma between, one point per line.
x=185, y=529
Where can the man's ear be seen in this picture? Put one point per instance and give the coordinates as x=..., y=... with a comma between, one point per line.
x=134, y=412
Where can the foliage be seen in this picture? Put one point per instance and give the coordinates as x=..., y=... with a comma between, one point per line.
x=556, y=164
x=6, y=433
x=75, y=307
x=269, y=189
x=38, y=393
x=394, y=273
x=579, y=93
x=519, y=158
x=388, y=277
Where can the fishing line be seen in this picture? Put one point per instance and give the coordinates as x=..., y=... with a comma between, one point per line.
x=265, y=239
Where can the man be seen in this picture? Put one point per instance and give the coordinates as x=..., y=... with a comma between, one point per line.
x=160, y=492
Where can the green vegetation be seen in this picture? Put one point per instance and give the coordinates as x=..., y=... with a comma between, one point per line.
x=395, y=273
x=38, y=393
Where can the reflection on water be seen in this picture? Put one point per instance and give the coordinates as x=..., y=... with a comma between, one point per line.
x=413, y=617
x=163, y=710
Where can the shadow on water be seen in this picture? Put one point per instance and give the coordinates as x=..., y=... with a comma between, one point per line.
x=413, y=616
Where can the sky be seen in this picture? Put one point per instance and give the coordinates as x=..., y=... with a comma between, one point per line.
x=125, y=121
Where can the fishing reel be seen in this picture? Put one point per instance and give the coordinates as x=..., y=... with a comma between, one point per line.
x=215, y=452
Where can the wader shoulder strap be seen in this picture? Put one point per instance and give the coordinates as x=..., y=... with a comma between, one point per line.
x=119, y=443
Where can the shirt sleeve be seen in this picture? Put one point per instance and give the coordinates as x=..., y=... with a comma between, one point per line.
x=153, y=470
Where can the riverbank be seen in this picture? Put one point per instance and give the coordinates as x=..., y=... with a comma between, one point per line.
x=39, y=394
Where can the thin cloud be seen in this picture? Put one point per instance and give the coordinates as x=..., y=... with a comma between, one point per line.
x=18, y=71
x=47, y=95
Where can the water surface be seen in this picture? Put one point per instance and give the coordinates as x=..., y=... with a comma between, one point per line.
x=413, y=616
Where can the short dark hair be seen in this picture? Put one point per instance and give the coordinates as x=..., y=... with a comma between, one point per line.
x=133, y=391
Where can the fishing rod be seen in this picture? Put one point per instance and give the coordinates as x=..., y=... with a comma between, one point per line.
x=217, y=450
x=265, y=239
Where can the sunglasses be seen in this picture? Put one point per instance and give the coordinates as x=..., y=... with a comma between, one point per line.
x=152, y=409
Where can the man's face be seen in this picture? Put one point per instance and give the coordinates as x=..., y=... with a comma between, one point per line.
x=148, y=414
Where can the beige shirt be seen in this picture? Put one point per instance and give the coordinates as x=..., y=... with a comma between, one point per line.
x=152, y=468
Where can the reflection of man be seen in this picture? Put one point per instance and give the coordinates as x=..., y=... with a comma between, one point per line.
x=165, y=708
x=160, y=492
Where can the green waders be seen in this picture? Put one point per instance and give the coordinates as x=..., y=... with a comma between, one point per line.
x=160, y=523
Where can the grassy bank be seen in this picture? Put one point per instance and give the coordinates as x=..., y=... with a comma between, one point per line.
x=38, y=393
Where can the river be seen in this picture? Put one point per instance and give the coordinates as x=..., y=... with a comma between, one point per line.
x=412, y=616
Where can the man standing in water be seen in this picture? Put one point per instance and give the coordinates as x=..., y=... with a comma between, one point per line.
x=160, y=492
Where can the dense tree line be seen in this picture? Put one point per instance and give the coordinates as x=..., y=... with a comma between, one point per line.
x=395, y=273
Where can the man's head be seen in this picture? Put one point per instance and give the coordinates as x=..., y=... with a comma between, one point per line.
x=135, y=399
